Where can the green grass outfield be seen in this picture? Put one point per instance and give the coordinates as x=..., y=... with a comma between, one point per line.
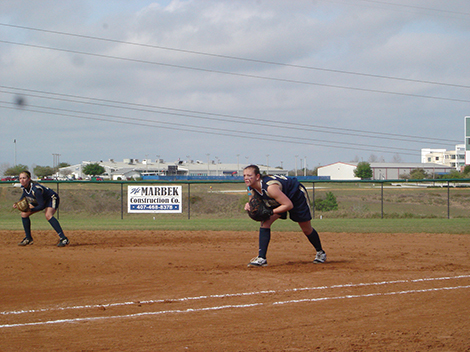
x=180, y=222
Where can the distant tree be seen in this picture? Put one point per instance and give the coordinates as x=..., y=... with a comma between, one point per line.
x=418, y=174
x=15, y=170
x=453, y=174
x=466, y=171
x=3, y=167
x=65, y=172
x=41, y=171
x=373, y=158
x=356, y=159
x=300, y=172
x=396, y=158
x=327, y=204
x=363, y=170
x=93, y=169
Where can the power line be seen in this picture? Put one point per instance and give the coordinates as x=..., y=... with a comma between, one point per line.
x=207, y=130
x=267, y=62
x=240, y=119
x=418, y=7
x=223, y=117
x=284, y=80
x=400, y=7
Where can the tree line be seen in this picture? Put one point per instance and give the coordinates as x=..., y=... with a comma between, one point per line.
x=46, y=171
x=364, y=172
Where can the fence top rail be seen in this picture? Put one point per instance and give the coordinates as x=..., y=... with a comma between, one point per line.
x=401, y=181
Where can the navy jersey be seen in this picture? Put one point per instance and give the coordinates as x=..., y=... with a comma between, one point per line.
x=293, y=189
x=40, y=196
x=289, y=186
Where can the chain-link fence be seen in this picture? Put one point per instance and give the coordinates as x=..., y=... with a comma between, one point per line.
x=354, y=199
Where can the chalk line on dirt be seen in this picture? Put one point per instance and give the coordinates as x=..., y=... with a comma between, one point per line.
x=227, y=295
x=176, y=311
x=58, y=321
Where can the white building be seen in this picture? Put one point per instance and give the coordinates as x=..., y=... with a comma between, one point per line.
x=428, y=154
x=380, y=171
x=452, y=158
x=133, y=168
x=338, y=171
x=467, y=140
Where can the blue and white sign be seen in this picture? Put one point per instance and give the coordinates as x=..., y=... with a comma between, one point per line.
x=154, y=199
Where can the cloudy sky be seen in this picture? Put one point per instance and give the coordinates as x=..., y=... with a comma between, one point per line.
x=266, y=81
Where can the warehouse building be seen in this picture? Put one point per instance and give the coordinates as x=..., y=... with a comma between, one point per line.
x=159, y=169
x=380, y=171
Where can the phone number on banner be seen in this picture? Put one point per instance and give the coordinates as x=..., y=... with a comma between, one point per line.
x=174, y=207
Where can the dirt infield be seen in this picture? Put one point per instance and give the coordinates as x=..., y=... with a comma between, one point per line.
x=193, y=291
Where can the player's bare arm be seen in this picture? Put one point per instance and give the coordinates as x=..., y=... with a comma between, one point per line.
x=276, y=193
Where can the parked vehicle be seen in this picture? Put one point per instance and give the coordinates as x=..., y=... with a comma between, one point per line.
x=10, y=178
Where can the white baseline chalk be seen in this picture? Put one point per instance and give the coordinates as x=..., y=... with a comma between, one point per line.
x=74, y=320
x=117, y=304
x=176, y=311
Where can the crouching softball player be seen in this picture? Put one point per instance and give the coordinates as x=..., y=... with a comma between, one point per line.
x=39, y=198
x=289, y=195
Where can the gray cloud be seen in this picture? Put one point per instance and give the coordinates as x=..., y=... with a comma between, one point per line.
x=220, y=81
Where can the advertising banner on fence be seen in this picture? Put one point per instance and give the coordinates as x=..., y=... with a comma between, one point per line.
x=154, y=199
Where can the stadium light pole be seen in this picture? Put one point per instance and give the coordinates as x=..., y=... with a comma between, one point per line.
x=305, y=166
x=55, y=160
x=238, y=164
x=296, y=164
x=216, y=166
x=208, y=172
x=14, y=141
x=158, y=165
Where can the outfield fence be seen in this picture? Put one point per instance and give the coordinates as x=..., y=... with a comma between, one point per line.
x=443, y=198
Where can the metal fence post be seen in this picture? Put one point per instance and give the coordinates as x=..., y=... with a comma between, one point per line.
x=58, y=210
x=189, y=200
x=382, y=200
x=448, y=200
x=313, y=200
x=122, y=200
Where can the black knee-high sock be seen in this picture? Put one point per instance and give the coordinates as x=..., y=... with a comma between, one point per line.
x=315, y=240
x=264, y=238
x=56, y=226
x=27, y=227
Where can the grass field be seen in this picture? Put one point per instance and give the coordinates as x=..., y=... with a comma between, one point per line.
x=142, y=222
x=98, y=206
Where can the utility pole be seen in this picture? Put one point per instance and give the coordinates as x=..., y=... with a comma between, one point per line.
x=208, y=171
x=55, y=160
x=296, y=165
x=238, y=164
x=14, y=141
x=305, y=166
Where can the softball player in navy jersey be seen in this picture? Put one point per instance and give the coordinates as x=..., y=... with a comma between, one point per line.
x=286, y=194
x=39, y=198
